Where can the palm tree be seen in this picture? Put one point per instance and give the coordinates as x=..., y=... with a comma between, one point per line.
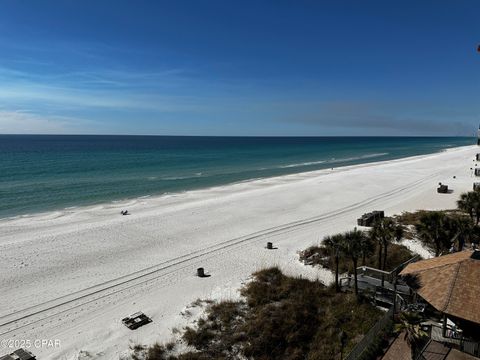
x=430, y=228
x=414, y=284
x=413, y=334
x=399, y=232
x=470, y=203
x=354, y=240
x=368, y=248
x=376, y=238
x=412, y=281
x=466, y=203
x=460, y=228
x=385, y=231
x=335, y=245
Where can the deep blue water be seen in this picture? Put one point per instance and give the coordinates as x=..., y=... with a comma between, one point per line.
x=41, y=172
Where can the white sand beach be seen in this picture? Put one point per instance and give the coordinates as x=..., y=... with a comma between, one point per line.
x=73, y=275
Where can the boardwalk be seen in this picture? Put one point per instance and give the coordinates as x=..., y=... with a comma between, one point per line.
x=374, y=286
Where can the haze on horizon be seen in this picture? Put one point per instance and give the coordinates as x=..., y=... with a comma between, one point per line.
x=239, y=68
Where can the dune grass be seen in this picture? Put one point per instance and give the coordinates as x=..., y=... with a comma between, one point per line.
x=279, y=317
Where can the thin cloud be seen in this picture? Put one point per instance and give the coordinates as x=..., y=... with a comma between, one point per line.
x=162, y=91
x=24, y=122
x=389, y=118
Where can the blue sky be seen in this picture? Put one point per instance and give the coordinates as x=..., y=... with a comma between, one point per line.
x=240, y=67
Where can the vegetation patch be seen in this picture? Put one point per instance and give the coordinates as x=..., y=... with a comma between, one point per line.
x=279, y=317
x=319, y=255
x=442, y=231
x=377, y=247
x=413, y=218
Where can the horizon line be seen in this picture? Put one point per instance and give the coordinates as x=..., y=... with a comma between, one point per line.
x=254, y=136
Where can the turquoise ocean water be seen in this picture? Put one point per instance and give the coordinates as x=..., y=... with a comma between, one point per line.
x=39, y=173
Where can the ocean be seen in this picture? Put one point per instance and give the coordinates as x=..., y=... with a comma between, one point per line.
x=40, y=173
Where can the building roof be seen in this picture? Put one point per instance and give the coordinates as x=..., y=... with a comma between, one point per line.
x=455, y=354
x=19, y=354
x=399, y=349
x=435, y=351
x=450, y=283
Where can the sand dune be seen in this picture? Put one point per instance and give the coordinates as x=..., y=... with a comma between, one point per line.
x=72, y=275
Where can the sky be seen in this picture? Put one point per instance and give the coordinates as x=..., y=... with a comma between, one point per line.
x=240, y=68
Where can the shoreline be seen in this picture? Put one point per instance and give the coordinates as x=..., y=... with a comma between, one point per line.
x=223, y=229
x=157, y=197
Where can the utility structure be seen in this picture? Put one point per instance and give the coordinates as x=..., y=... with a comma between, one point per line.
x=478, y=131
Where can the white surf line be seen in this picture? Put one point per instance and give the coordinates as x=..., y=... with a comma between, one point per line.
x=100, y=291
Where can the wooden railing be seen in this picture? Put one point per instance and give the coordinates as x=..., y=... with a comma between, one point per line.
x=386, y=275
x=455, y=340
x=371, y=336
x=470, y=347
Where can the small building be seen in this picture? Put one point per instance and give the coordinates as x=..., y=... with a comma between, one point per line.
x=478, y=135
x=433, y=350
x=477, y=157
x=477, y=172
x=476, y=186
x=369, y=218
x=19, y=354
x=450, y=284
